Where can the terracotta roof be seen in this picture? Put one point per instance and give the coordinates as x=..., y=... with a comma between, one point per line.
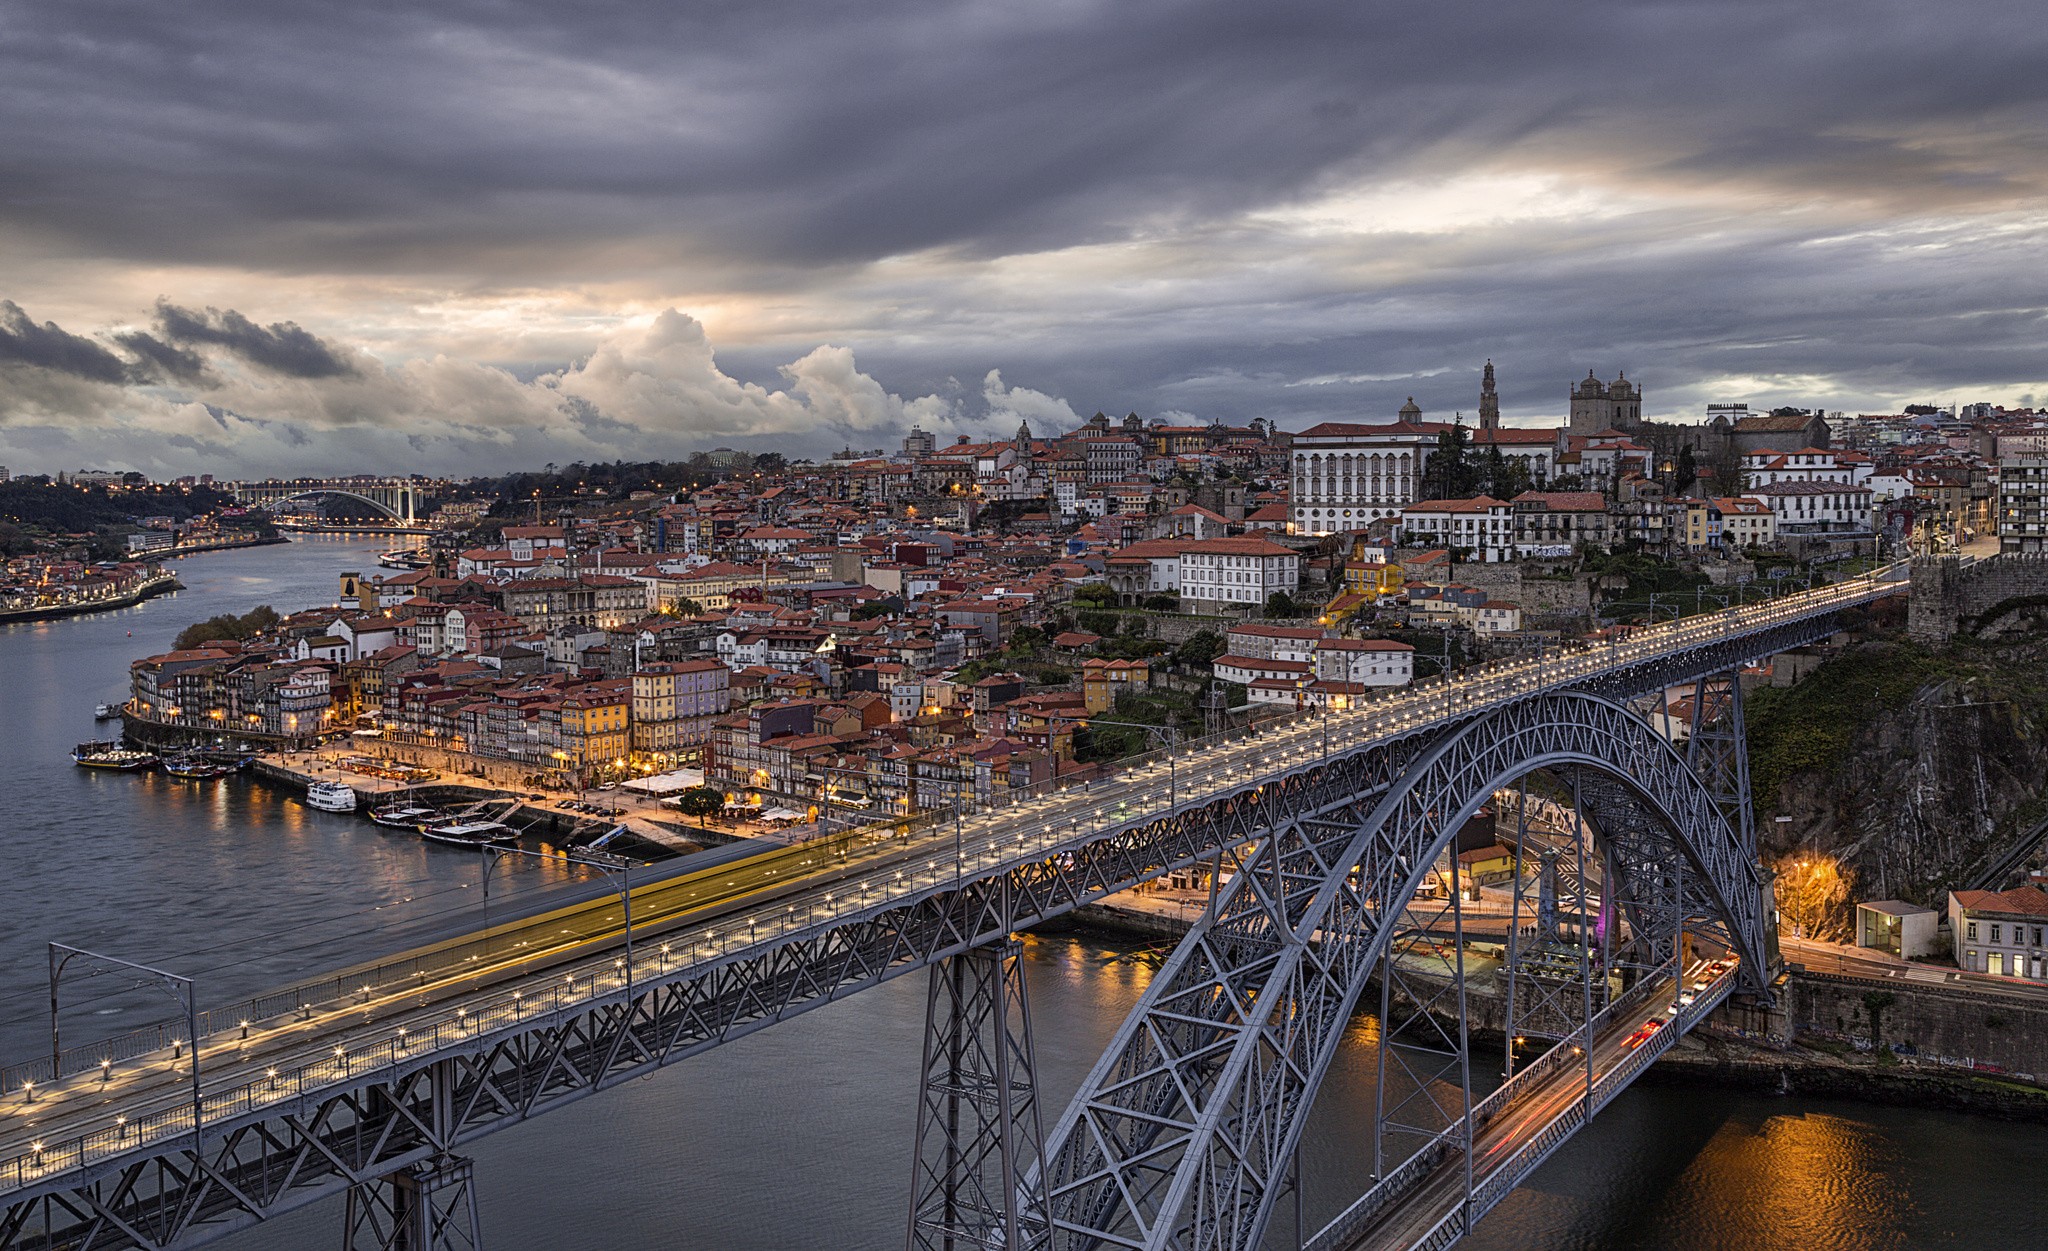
x=2026, y=901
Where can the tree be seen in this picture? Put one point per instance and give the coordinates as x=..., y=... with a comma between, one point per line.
x=1685, y=473
x=1451, y=473
x=687, y=608
x=1281, y=604
x=1199, y=649
x=228, y=627
x=770, y=463
x=1095, y=595
x=1163, y=603
x=1505, y=477
x=700, y=802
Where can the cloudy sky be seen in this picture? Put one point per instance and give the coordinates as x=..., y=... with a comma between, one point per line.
x=253, y=237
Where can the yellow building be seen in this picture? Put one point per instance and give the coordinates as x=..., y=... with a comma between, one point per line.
x=596, y=726
x=1103, y=680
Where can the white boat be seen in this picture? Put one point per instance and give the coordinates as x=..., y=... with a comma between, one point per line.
x=331, y=797
x=469, y=833
x=106, y=712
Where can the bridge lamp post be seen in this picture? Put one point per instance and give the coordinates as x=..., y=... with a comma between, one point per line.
x=620, y=876
x=179, y=987
x=1169, y=733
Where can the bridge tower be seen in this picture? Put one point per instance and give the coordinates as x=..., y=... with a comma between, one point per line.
x=978, y=1128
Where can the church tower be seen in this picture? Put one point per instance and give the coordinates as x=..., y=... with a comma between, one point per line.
x=1489, y=401
x=1024, y=437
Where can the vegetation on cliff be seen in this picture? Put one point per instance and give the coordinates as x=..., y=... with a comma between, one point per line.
x=1897, y=769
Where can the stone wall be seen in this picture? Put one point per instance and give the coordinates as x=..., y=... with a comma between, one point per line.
x=1571, y=596
x=1953, y=1024
x=1949, y=596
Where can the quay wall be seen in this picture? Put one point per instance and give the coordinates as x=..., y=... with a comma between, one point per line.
x=148, y=590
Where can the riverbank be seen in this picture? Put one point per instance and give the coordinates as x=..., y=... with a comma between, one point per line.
x=646, y=838
x=149, y=588
x=194, y=549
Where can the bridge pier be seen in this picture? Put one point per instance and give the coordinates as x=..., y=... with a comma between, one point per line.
x=428, y=1207
x=978, y=1127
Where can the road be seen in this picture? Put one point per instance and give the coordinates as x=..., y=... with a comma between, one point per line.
x=704, y=914
x=1862, y=962
x=1409, y=1218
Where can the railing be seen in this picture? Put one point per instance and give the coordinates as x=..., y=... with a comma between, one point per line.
x=1400, y=711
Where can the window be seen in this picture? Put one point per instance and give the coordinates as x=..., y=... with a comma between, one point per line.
x=1972, y=935
x=1995, y=933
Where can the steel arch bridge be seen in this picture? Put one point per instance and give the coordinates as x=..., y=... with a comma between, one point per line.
x=396, y=498
x=1184, y=1134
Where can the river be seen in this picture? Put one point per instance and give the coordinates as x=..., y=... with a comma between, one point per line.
x=799, y=1136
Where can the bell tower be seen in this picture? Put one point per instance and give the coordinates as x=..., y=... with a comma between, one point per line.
x=1489, y=401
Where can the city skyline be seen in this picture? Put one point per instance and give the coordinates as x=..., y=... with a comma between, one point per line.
x=258, y=241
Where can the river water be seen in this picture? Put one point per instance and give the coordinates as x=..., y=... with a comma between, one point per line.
x=799, y=1136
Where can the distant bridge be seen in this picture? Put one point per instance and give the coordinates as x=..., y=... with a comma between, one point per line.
x=1332, y=830
x=397, y=498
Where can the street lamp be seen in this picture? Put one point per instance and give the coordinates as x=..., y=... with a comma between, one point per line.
x=1169, y=733
x=620, y=876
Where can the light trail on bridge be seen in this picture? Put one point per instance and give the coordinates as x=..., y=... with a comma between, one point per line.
x=463, y=989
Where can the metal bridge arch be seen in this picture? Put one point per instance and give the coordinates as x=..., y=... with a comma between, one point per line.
x=315, y=492
x=1182, y=1134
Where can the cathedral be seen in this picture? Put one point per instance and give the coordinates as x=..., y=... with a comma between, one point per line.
x=1598, y=405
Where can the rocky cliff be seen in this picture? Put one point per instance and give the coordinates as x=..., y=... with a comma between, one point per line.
x=1900, y=769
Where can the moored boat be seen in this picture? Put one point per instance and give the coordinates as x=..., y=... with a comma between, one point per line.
x=194, y=767
x=469, y=833
x=106, y=712
x=404, y=815
x=331, y=797
x=109, y=754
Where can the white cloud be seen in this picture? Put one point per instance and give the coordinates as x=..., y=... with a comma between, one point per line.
x=650, y=390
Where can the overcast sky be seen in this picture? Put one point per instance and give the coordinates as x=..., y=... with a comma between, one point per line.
x=466, y=237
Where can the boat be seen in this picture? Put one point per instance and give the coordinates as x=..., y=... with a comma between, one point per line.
x=195, y=768
x=109, y=754
x=469, y=833
x=331, y=797
x=106, y=712
x=405, y=815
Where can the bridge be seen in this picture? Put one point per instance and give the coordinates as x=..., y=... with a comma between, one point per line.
x=1636, y=912
x=396, y=498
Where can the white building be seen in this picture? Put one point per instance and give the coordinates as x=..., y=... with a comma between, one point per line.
x=2000, y=932
x=1364, y=662
x=1814, y=507
x=1736, y=523
x=1239, y=572
x=1483, y=525
x=1346, y=475
x=2023, y=504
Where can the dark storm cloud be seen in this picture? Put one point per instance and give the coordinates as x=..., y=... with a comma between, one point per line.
x=50, y=346
x=157, y=360
x=518, y=139
x=282, y=347
x=1834, y=201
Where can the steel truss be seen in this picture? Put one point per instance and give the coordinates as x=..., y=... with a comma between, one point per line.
x=1180, y=1135
x=428, y=1207
x=978, y=1127
x=262, y=1157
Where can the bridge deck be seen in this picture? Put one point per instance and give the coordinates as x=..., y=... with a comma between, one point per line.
x=450, y=996
x=1422, y=1203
